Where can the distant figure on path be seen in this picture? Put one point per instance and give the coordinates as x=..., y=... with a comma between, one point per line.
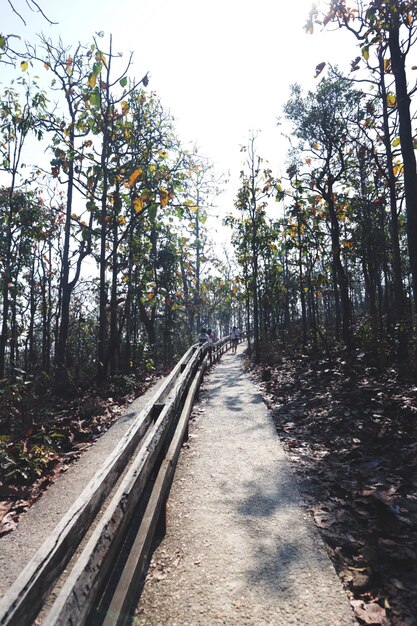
x=211, y=339
x=234, y=336
x=203, y=337
x=211, y=335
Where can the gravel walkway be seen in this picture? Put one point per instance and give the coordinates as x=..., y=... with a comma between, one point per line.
x=240, y=549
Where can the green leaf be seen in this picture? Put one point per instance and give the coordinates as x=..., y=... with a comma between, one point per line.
x=396, y=142
x=97, y=67
x=123, y=82
x=95, y=98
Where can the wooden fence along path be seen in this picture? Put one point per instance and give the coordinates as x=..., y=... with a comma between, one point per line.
x=103, y=580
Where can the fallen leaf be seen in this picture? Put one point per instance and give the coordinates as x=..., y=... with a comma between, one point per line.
x=371, y=613
x=8, y=523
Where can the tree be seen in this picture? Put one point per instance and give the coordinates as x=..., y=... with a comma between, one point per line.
x=321, y=121
x=257, y=186
x=17, y=122
x=389, y=26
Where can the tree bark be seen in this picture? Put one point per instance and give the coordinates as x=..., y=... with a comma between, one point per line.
x=407, y=147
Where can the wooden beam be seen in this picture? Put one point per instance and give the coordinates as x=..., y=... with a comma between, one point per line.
x=126, y=593
x=23, y=600
x=85, y=581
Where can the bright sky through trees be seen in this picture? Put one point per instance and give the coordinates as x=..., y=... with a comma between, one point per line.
x=222, y=68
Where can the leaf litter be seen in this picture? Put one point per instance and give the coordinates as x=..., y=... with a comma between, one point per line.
x=351, y=434
x=57, y=432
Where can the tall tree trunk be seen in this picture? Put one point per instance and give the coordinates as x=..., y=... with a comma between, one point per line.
x=61, y=373
x=112, y=355
x=301, y=276
x=338, y=266
x=399, y=296
x=7, y=280
x=407, y=147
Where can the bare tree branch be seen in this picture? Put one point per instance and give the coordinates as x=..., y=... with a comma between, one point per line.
x=31, y=4
x=14, y=11
x=34, y=7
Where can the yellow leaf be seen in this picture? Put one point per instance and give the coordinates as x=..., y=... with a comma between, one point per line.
x=163, y=196
x=365, y=53
x=122, y=220
x=398, y=168
x=391, y=100
x=134, y=176
x=152, y=168
x=92, y=81
x=24, y=65
x=100, y=57
x=125, y=107
x=138, y=205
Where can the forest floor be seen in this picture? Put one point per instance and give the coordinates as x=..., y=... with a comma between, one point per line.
x=53, y=433
x=351, y=435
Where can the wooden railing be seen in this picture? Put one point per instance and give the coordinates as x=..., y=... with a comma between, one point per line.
x=134, y=507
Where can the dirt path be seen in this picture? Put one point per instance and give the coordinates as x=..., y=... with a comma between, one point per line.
x=240, y=549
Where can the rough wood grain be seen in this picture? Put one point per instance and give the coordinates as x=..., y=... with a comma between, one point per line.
x=21, y=603
x=85, y=581
x=125, y=595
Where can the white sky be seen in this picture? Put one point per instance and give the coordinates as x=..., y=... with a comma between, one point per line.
x=221, y=67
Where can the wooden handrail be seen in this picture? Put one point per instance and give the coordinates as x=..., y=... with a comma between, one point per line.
x=150, y=440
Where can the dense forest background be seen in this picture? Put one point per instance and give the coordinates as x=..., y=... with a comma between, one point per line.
x=107, y=270
x=105, y=262
x=106, y=266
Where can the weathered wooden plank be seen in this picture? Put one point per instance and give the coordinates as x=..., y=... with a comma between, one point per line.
x=119, y=611
x=21, y=603
x=89, y=573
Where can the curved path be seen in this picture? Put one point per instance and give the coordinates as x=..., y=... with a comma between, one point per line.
x=239, y=548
